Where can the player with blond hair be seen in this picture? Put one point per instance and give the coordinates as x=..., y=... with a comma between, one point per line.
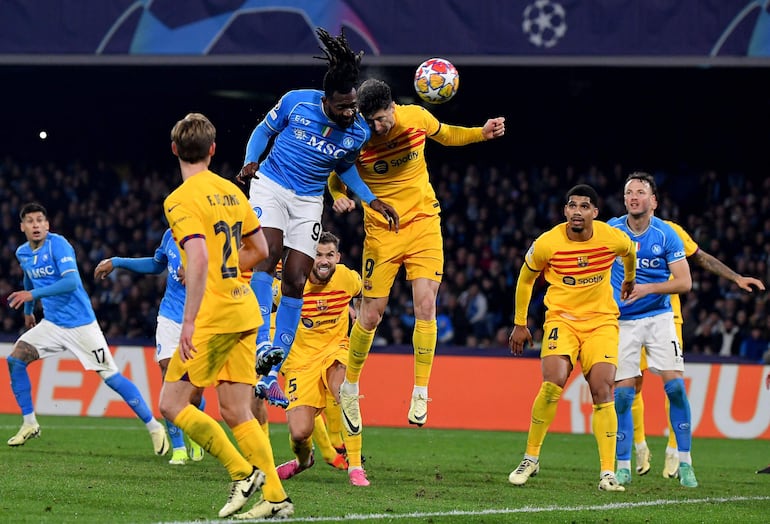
x=219, y=236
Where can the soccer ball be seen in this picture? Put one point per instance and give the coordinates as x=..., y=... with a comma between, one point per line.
x=436, y=80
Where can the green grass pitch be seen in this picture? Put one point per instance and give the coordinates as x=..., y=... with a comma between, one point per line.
x=103, y=470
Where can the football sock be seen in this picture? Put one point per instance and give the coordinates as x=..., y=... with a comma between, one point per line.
x=543, y=413
x=286, y=320
x=262, y=284
x=321, y=440
x=671, y=435
x=21, y=385
x=175, y=435
x=605, y=425
x=333, y=422
x=209, y=434
x=353, y=444
x=420, y=390
x=424, y=341
x=349, y=388
x=256, y=449
x=130, y=393
x=624, y=397
x=679, y=414
x=360, y=342
x=637, y=416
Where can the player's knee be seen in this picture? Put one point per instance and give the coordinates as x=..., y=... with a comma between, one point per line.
x=371, y=312
x=425, y=309
x=24, y=352
x=293, y=286
x=168, y=407
x=301, y=432
x=676, y=393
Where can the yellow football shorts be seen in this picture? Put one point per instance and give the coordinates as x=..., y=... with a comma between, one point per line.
x=591, y=341
x=307, y=383
x=417, y=245
x=228, y=357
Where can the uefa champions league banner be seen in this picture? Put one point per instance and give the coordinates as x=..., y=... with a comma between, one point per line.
x=726, y=400
x=388, y=28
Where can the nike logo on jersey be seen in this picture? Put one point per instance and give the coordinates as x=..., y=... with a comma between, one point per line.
x=169, y=210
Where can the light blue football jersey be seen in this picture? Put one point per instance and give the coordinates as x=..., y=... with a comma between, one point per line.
x=47, y=265
x=308, y=145
x=172, y=303
x=656, y=248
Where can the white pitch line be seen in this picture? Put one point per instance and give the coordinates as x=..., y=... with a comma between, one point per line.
x=503, y=511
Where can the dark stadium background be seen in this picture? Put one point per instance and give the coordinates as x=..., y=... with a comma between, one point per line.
x=678, y=119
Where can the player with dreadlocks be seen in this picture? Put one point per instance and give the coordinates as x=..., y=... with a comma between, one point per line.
x=316, y=133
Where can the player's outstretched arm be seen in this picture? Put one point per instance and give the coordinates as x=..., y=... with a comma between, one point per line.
x=103, y=268
x=710, y=263
x=493, y=128
x=144, y=265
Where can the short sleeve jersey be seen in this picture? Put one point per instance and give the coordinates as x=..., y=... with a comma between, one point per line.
x=208, y=206
x=579, y=272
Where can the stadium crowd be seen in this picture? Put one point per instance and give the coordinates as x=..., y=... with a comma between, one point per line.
x=490, y=215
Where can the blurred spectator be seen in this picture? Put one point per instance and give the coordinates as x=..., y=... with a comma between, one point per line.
x=730, y=341
x=475, y=304
x=446, y=331
x=755, y=346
